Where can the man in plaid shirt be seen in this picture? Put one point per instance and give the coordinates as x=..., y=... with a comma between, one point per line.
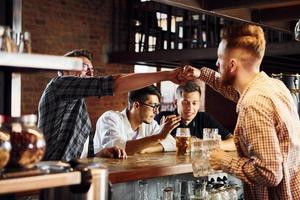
x=63, y=117
x=267, y=133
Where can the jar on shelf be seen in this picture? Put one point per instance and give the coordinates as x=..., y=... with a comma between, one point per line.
x=5, y=145
x=28, y=143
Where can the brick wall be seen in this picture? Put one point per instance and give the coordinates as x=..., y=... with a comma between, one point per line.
x=58, y=26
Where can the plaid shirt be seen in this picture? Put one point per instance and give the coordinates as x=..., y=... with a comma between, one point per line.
x=267, y=137
x=63, y=117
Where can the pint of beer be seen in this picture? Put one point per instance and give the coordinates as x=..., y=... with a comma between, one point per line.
x=183, y=140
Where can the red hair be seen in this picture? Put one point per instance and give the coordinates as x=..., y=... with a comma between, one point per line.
x=248, y=37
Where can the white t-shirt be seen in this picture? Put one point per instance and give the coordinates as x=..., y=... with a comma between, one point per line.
x=113, y=129
x=85, y=150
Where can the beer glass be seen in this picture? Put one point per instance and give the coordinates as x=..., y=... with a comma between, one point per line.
x=200, y=162
x=183, y=140
x=210, y=133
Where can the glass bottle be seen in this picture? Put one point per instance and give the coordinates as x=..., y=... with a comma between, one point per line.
x=143, y=190
x=168, y=193
x=5, y=145
x=27, y=42
x=232, y=192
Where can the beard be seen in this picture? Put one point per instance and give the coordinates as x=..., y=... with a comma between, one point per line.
x=228, y=78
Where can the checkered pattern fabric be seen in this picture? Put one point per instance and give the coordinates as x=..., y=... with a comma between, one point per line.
x=63, y=117
x=267, y=137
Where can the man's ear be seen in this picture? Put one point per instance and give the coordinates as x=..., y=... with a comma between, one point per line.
x=175, y=103
x=233, y=65
x=136, y=105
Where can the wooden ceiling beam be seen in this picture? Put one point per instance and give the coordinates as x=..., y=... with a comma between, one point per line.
x=183, y=3
x=273, y=49
x=233, y=4
x=206, y=55
x=276, y=14
x=164, y=56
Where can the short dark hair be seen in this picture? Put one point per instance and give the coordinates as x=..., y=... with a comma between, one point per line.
x=141, y=94
x=188, y=87
x=78, y=53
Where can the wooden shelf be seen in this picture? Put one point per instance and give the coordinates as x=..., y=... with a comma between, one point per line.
x=22, y=61
x=39, y=182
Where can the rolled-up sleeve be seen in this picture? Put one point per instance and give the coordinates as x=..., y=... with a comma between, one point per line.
x=169, y=144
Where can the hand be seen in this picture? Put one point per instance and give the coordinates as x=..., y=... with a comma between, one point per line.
x=228, y=144
x=162, y=120
x=170, y=122
x=175, y=76
x=215, y=159
x=153, y=149
x=112, y=152
x=189, y=73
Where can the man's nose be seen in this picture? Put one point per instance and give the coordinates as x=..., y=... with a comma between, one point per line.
x=156, y=110
x=189, y=105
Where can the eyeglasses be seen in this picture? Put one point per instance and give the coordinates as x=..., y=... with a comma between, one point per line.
x=154, y=107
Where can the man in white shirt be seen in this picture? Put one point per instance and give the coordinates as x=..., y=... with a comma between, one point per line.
x=134, y=129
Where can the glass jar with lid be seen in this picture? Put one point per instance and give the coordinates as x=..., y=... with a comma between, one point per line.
x=5, y=145
x=28, y=143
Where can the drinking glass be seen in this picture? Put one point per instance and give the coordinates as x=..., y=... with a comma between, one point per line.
x=181, y=189
x=190, y=188
x=159, y=189
x=232, y=192
x=210, y=133
x=183, y=140
x=200, y=162
x=143, y=190
x=200, y=192
x=168, y=193
x=177, y=190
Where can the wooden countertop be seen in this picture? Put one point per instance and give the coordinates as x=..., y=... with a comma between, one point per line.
x=39, y=182
x=143, y=166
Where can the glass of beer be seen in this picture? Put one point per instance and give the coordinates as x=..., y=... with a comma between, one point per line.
x=183, y=140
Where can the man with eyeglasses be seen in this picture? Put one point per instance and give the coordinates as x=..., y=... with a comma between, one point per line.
x=63, y=115
x=134, y=129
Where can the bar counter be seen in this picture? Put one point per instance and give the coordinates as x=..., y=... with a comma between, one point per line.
x=144, y=166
